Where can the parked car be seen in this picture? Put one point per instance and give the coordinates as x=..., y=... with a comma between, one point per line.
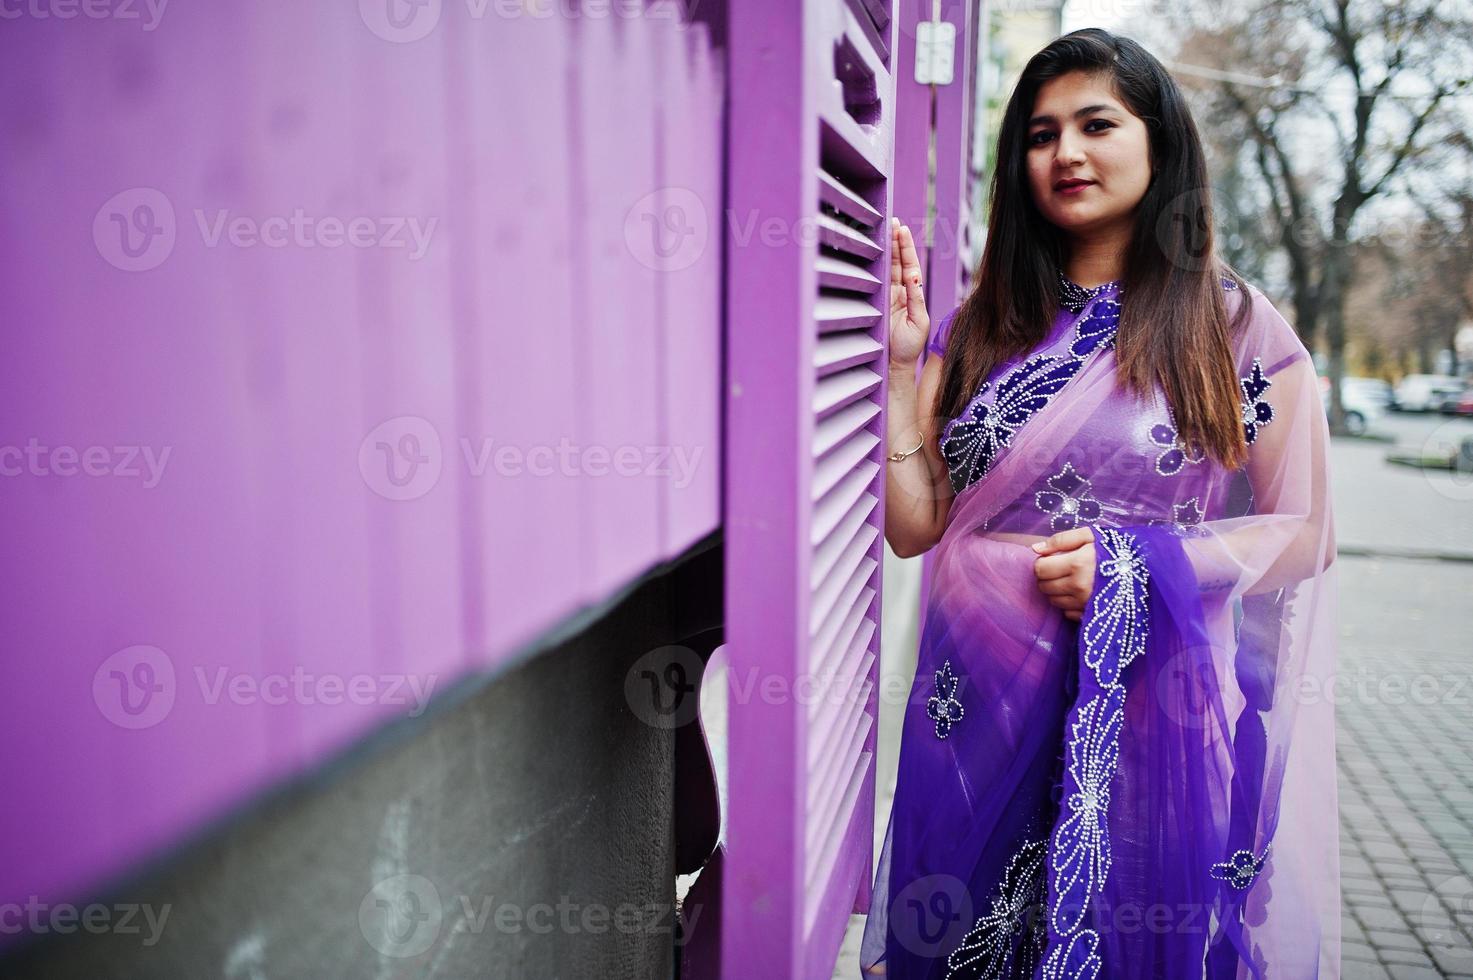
x=1364, y=401
x=1370, y=389
x=1443, y=398
x=1426, y=392
x=1462, y=405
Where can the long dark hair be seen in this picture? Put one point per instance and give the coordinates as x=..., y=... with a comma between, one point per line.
x=1174, y=324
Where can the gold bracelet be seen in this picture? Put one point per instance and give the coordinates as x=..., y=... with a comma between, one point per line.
x=900, y=457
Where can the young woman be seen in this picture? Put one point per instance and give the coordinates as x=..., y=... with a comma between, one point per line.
x=1118, y=755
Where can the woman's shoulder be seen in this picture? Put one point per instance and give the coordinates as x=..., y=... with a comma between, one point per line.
x=1266, y=336
x=942, y=333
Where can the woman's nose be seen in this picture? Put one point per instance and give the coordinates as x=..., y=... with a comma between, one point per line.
x=1070, y=148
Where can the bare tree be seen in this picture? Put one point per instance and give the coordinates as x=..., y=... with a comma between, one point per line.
x=1342, y=102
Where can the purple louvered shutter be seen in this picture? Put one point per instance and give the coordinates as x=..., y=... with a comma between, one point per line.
x=812, y=111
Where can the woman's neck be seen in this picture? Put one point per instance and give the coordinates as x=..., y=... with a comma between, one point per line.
x=1093, y=261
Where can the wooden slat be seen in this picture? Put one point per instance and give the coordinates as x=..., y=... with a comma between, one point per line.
x=835, y=194
x=839, y=691
x=871, y=31
x=835, y=273
x=836, y=502
x=842, y=350
x=856, y=590
x=837, y=390
x=833, y=467
x=838, y=427
x=854, y=552
x=837, y=235
x=844, y=875
x=837, y=750
x=844, y=313
x=822, y=653
x=836, y=809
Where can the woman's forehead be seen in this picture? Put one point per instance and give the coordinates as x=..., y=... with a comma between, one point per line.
x=1076, y=92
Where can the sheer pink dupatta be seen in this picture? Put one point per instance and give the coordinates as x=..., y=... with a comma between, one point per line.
x=1198, y=762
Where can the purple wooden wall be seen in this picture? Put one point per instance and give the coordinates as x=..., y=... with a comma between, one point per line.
x=389, y=463
x=931, y=193
x=812, y=101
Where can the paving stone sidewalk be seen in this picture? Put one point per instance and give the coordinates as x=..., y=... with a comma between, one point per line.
x=1405, y=721
x=1405, y=751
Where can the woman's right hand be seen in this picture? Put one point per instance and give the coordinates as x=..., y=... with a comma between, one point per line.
x=910, y=325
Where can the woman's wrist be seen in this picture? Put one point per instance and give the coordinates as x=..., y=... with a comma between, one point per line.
x=900, y=453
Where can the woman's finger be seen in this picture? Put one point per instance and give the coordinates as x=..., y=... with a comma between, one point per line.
x=1064, y=541
x=1056, y=586
x=895, y=265
x=910, y=272
x=1053, y=566
x=1069, y=600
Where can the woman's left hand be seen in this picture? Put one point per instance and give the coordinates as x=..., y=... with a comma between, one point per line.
x=1065, y=569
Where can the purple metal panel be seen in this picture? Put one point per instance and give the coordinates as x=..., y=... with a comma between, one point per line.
x=871, y=131
x=769, y=429
x=135, y=365
x=400, y=171
x=524, y=283
x=685, y=245
x=939, y=113
x=953, y=106
x=306, y=387
x=813, y=102
x=614, y=155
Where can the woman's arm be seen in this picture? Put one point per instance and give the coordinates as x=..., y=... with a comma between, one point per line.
x=917, y=489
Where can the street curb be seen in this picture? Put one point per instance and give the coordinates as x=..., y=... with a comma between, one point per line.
x=1393, y=551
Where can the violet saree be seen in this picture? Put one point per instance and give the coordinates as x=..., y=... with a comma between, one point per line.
x=1148, y=792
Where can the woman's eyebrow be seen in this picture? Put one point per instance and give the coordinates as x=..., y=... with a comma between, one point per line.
x=1088, y=110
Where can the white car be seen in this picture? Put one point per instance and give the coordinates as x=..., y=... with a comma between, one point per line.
x=1426, y=392
x=1362, y=399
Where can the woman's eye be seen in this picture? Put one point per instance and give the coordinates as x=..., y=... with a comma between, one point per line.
x=1093, y=126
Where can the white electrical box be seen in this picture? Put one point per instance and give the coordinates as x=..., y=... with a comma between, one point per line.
x=935, y=52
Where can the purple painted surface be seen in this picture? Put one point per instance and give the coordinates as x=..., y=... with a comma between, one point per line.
x=813, y=100
x=946, y=274
x=380, y=261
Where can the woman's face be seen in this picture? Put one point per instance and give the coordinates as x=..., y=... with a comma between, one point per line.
x=1081, y=131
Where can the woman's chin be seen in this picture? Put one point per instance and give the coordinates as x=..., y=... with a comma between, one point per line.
x=1081, y=221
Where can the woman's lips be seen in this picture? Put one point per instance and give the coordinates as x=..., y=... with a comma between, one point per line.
x=1074, y=188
